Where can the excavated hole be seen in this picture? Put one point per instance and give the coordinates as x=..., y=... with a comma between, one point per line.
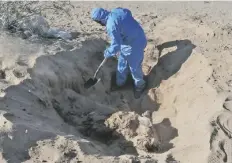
x=63, y=76
x=54, y=94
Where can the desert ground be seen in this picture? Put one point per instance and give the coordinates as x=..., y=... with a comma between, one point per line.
x=184, y=116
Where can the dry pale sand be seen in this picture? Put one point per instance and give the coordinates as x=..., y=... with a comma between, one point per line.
x=185, y=115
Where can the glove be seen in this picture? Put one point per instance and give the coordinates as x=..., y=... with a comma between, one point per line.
x=107, y=54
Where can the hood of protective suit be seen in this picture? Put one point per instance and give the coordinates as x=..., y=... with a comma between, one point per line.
x=100, y=14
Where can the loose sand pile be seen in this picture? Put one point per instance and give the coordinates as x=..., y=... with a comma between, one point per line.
x=184, y=116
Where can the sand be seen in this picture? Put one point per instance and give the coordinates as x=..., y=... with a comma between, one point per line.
x=184, y=116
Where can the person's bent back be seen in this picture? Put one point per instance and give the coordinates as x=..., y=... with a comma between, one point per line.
x=130, y=28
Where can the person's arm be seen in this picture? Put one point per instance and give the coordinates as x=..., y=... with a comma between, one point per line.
x=114, y=34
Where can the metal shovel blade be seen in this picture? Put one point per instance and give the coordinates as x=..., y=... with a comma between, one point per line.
x=91, y=82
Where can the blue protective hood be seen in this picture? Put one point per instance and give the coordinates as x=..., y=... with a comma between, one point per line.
x=100, y=14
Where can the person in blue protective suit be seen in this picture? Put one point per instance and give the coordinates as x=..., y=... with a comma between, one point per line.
x=128, y=42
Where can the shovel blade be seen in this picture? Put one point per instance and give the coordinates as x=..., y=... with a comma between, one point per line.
x=91, y=82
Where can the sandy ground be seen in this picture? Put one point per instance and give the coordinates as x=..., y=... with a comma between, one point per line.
x=184, y=116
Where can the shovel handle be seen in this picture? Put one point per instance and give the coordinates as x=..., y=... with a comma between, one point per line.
x=99, y=67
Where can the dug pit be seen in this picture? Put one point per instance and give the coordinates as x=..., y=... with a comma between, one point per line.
x=90, y=110
x=53, y=101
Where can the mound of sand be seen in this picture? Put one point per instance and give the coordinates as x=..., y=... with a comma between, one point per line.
x=139, y=130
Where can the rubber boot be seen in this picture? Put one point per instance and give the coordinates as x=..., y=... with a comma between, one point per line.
x=139, y=91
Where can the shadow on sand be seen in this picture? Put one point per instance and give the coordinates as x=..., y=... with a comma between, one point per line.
x=170, y=63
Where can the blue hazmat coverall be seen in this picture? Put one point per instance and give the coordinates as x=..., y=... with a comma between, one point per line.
x=128, y=38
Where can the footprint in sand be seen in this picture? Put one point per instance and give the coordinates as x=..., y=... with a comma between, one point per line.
x=19, y=73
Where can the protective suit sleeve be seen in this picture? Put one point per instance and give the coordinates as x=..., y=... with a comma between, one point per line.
x=114, y=34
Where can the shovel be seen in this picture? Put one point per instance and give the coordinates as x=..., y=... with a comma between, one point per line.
x=92, y=81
